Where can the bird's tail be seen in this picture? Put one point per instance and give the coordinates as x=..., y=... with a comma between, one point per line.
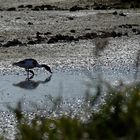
x=46, y=67
x=14, y=64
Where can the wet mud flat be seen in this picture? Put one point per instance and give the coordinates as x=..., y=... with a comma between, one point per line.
x=67, y=40
x=25, y=28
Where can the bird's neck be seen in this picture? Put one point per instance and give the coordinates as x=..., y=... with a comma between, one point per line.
x=45, y=66
x=39, y=65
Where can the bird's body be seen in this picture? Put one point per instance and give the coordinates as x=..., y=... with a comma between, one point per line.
x=27, y=63
x=30, y=64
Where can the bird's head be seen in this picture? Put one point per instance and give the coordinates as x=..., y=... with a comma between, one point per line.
x=47, y=68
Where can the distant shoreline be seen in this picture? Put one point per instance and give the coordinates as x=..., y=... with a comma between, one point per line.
x=71, y=5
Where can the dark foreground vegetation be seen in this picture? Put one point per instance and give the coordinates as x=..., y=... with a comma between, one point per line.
x=118, y=118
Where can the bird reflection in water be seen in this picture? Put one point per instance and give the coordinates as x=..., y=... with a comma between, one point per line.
x=31, y=84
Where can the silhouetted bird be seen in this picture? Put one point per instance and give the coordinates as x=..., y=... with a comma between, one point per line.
x=30, y=64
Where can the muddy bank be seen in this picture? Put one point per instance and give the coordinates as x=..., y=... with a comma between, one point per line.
x=28, y=28
x=71, y=5
x=67, y=41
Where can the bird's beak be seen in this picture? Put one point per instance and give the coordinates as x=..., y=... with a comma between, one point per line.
x=14, y=64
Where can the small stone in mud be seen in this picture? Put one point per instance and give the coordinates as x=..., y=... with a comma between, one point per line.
x=11, y=9
x=122, y=14
x=14, y=42
x=30, y=23
x=125, y=34
x=115, y=13
x=70, y=18
x=29, y=6
x=126, y=26
x=90, y=35
x=38, y=35
x=72, y=31
x=99, y=6
x=60, y=37
x=18, y=18
x=134, y=30
x=48, y=33
x=119, y=34
x=36, y=8
x=31, y=42
x=76, y=8
x=138, y=32
x=21, y=6
x=87, y=29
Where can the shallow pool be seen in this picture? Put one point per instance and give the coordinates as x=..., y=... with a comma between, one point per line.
x=15, y=88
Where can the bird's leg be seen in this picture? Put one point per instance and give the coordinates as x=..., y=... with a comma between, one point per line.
x=31, y=73
x=27, y=73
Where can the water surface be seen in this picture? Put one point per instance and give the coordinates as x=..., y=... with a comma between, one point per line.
x=15, y=88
